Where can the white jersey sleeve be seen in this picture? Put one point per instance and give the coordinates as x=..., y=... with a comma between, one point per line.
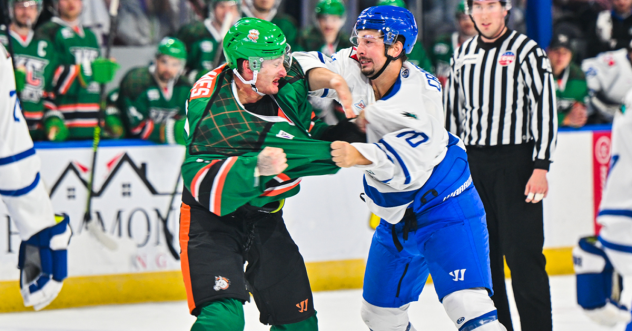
x=21, y=188
x=615, y=211
x=609, y=78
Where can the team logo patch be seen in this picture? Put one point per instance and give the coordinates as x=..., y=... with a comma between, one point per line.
x=410, y=115
x=153, y=95
x=609, y=59
x=360, y=105
x=253, y=35
x=405, y=73
x=507, y=58
x=221, y=283
x=206, y=46
x=284, y=135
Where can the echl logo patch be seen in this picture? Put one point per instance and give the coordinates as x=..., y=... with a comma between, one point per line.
x=506, y=59
x=360, y=104
x=221, y=283
x=253, y=35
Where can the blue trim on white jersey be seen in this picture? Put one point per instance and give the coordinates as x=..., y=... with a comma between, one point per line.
x=615, y=247
x=321, y=57
x=480, y=321
x=399, y=160
x=325, y=92
x=17, y=157
x=390, y=199
x=615, y=212
x=389, y=158
x=394, y=89
x=22, y=191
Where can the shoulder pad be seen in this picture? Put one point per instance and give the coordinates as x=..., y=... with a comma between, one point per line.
x=204, y=87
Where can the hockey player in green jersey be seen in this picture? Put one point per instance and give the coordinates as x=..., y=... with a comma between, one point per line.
x=444, y=46
x=152, y=99
x=418, y=56
x=326, y=35
x=203, y=38
x=571, y=88
x=267, y=10
x=35, y=62
x=251, y=136
x=78, y=75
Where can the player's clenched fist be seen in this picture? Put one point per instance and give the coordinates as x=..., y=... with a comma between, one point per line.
x=345, y=155
x=271, y=161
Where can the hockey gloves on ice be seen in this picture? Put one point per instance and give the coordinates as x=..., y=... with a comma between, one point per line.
x=103, y=70
x=55, y=128
x=43, y=264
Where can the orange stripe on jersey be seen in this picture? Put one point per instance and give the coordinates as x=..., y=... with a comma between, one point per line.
x=216, y=207
x=282, y=115
x=313, y=116
x=74, y=70
x=203, y=88
x=185, y=226
x=149, y=128
x=277, y=191
x=195, y=185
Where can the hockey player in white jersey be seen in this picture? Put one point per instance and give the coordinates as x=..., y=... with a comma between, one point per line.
x=417, y=180
x=609, y=78
x=42, y=258
x=603, y=264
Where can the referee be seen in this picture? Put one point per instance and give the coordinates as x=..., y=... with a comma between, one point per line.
x=500, y=100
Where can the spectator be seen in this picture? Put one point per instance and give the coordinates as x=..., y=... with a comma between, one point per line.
x=418, y=56
x=146, y=22
x=326, y=35
x=95, y=16
x=609, y=78
x=77, y=77
x=446, y=44
x=267, y=10
x=571, y=89
x=153, y=98
x=35, y=63
x=613, y=28
x=203, y=39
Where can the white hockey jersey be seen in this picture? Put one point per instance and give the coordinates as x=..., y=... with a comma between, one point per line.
x=609, y=78
x=21, y=188
x=405, y=132
x=615, y=211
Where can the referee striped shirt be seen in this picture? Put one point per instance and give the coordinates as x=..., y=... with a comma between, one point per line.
x=503, y=93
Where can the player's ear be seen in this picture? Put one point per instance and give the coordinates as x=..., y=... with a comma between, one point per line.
x=245, y=70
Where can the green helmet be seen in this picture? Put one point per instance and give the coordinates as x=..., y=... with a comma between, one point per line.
x=396, y=3
x=255, y=40
x=460, y=8
x=172, y=47
x=38, y=3
x=330, y=7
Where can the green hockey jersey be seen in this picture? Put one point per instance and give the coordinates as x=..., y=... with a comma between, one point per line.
x=37, y=57
x=419, y=57
x=147, y=109
x=312, y=39
x=570, y=88
x=77, y=97
x=225, y=138
x=202, y=42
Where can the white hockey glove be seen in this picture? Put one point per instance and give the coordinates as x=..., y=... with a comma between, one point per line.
x=43, y=264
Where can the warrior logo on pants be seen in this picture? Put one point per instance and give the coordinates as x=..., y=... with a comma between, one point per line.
x=221, y=283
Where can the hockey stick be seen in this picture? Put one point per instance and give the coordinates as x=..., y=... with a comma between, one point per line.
x=93, y=228
x=165, y=221
x=228, y=19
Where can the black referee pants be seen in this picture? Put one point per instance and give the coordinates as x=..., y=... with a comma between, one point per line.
x=500, y=174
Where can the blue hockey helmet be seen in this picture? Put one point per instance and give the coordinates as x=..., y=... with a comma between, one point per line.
x=391, y=21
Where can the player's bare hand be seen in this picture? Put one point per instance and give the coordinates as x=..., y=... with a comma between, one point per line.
x=537, y=186
x=577, y=116
x=361, y=121
x=345, y=155
x=271, y=161
x=344, y=95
